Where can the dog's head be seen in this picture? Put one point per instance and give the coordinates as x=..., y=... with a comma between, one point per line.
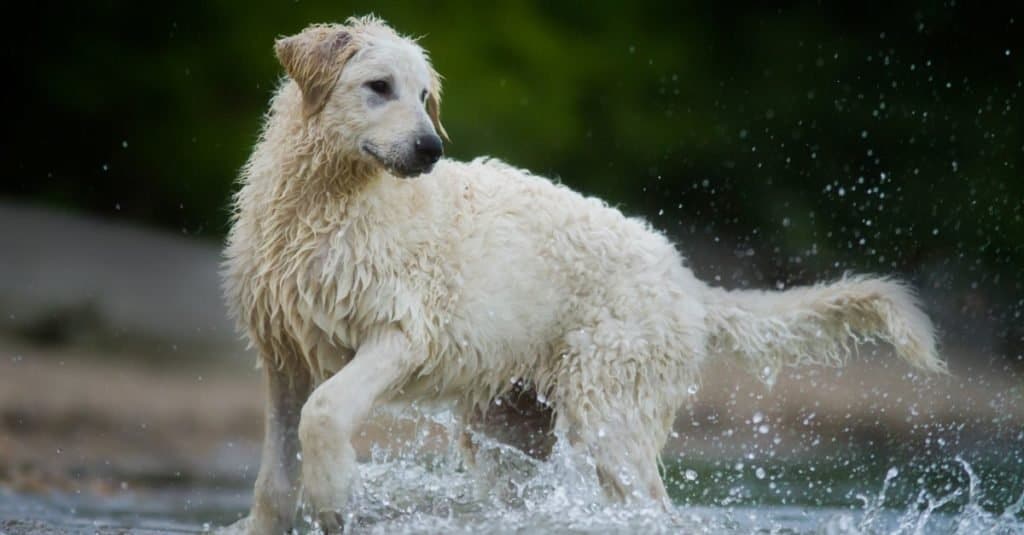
x=371, y=90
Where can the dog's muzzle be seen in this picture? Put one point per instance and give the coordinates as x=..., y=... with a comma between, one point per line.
x=427, y=150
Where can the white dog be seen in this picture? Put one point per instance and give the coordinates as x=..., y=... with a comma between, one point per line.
x=367, y=269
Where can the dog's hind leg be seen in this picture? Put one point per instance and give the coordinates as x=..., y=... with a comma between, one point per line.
x=501, y=442
x=624, y=455
x=628, y=471
x=335, y=412
x=617, y=410
x=518, y=418
x=277, y=485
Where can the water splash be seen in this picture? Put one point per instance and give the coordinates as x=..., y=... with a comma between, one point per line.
x=407, y=492
x=921, y=516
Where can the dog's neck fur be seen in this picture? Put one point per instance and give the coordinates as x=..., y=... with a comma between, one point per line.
x=295, y=186
x=309, y=160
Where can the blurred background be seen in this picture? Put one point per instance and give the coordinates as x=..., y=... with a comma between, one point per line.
x=777, y=145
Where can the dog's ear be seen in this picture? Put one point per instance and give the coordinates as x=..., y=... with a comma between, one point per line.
x=434, y=105
x=314, y=59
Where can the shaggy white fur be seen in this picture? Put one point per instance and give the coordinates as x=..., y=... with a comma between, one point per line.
x=451, y=284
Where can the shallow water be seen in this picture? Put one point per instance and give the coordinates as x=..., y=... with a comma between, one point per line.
x=413, y=492
x=397, y=496
x=403, y=494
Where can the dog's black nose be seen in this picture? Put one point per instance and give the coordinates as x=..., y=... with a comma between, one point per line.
x=429, y=149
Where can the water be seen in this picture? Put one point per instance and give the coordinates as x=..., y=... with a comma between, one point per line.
x=409, y=491
x=400, y=494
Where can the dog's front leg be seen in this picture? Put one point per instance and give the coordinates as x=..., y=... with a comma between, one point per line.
x=277, y=485
x=335, y=412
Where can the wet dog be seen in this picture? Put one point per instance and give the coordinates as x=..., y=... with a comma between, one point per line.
x=366, y=268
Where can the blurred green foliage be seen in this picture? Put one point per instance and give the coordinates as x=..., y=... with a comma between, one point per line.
x=805, y=138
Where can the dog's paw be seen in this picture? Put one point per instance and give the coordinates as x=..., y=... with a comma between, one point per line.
x=329, y=523
x=327, y=488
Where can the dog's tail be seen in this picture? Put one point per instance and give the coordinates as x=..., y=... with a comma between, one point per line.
x=819, y=324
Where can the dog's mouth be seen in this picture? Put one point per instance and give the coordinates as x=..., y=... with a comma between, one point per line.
x=395, y=168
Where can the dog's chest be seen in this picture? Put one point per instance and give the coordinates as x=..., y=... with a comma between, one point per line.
x=324, y=291
x=295, y=295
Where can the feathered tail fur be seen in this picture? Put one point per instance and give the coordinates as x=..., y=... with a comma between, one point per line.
x=820, y=324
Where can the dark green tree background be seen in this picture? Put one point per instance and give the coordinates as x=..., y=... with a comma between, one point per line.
x=799, y=139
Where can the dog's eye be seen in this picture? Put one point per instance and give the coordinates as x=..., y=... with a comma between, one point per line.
x=381, y=87
x=423, y=96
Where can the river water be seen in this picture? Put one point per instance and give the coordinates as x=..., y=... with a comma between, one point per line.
x=410, y=492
